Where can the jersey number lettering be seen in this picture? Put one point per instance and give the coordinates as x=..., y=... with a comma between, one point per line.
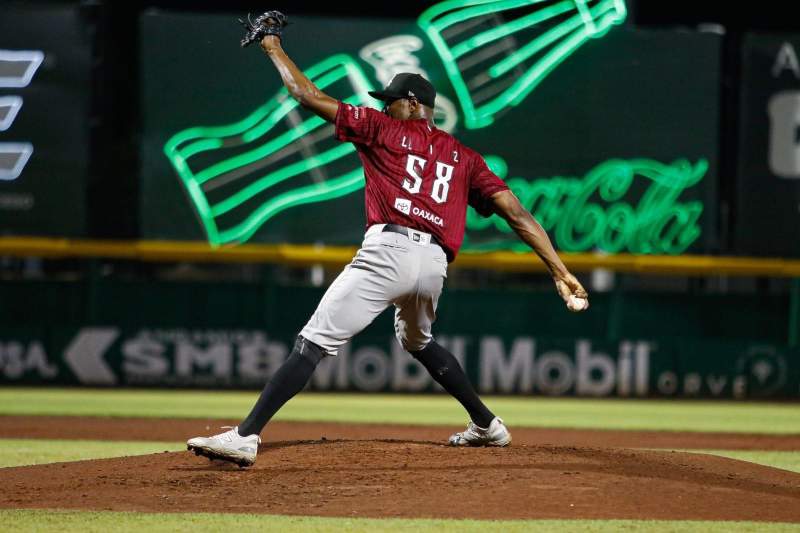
x=444, y=173
x=411, y=163
x=442, y=184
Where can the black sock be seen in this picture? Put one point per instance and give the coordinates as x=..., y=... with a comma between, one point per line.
x=444, y=368
x=290, y=379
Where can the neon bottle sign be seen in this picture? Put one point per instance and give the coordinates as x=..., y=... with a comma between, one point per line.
x=585, y=213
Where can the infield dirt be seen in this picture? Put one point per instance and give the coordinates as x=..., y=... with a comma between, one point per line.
x=405, y=471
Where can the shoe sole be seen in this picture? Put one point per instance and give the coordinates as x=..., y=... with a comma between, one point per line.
x=494, y=444
x=212, y=454
x=501, y=443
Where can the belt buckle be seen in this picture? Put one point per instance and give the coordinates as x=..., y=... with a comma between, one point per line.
x=419, y=237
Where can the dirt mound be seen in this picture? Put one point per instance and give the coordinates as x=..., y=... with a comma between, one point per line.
x=153, y=429
x=393, y=478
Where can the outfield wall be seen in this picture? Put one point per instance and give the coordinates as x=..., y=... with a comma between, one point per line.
x=511, y=341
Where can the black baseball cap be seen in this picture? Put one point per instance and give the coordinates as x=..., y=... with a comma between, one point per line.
x=405, y=85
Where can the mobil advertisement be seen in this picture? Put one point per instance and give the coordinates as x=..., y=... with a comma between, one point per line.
x=497, y=364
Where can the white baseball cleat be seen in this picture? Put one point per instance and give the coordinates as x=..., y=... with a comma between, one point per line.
x=228, y=446
x=496, y=434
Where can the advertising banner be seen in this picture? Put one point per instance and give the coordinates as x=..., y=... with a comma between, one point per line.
x=44, y=102
x=497, y=364
x=608, y=134
x=768, y=199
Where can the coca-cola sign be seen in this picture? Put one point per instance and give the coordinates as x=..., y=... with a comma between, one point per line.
x=634, y=206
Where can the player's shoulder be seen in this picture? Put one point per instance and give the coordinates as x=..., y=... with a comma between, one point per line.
x=449, y=138
x=361, y=112
x=467, y=153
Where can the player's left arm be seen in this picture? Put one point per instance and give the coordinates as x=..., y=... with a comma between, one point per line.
x=506, y=204
x=300, y=87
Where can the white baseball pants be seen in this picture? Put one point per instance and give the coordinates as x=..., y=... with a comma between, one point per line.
x=389, y=269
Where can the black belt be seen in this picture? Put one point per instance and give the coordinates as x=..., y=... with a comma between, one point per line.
x=402, y=230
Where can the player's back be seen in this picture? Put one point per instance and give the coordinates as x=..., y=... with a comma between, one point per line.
x=416, y=174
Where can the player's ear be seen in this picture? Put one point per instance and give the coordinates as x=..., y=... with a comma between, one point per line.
x=414, y=106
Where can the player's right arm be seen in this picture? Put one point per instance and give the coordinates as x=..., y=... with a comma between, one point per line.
x=300, y=87
x=488, y=194
x=507, y=205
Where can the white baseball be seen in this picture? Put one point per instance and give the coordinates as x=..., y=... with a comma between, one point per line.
x=577, y=304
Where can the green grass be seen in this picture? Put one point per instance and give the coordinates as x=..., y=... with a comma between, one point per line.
x=19, y=452
x=84, y=522
x=532, y=412
x=659, y=415
x=785, y=460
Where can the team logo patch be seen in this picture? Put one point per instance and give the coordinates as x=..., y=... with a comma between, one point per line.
x=402, y=205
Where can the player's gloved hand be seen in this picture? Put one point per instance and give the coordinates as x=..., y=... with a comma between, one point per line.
x=572, y=292
x=269, y=23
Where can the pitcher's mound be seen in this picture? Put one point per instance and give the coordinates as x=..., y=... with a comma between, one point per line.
x=369, y=478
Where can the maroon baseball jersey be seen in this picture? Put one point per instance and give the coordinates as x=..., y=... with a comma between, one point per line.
x=417, y=176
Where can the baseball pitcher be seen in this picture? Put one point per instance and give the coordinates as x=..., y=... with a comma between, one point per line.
x=419, y=181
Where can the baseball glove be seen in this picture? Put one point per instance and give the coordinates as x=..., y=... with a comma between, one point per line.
x=270, y=23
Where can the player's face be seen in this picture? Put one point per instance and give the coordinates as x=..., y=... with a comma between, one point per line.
x=402, y=108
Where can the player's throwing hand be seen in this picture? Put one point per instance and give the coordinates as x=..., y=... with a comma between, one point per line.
x=572, y=292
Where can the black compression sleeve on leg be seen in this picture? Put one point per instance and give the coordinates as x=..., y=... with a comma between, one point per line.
x=444, y=368
x=290, y=379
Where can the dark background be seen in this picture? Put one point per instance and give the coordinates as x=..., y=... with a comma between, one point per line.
x=50, y=193
x=695, y=316
x=763, y=231
x=637, y=93
x=115, y=103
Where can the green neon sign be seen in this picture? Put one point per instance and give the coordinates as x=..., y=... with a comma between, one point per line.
x=591, y=213
x=582, y=214
x=565, y=26
x=256, y=132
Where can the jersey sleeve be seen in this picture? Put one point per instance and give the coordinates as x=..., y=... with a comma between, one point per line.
x=358, y=124
x=483, y=184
